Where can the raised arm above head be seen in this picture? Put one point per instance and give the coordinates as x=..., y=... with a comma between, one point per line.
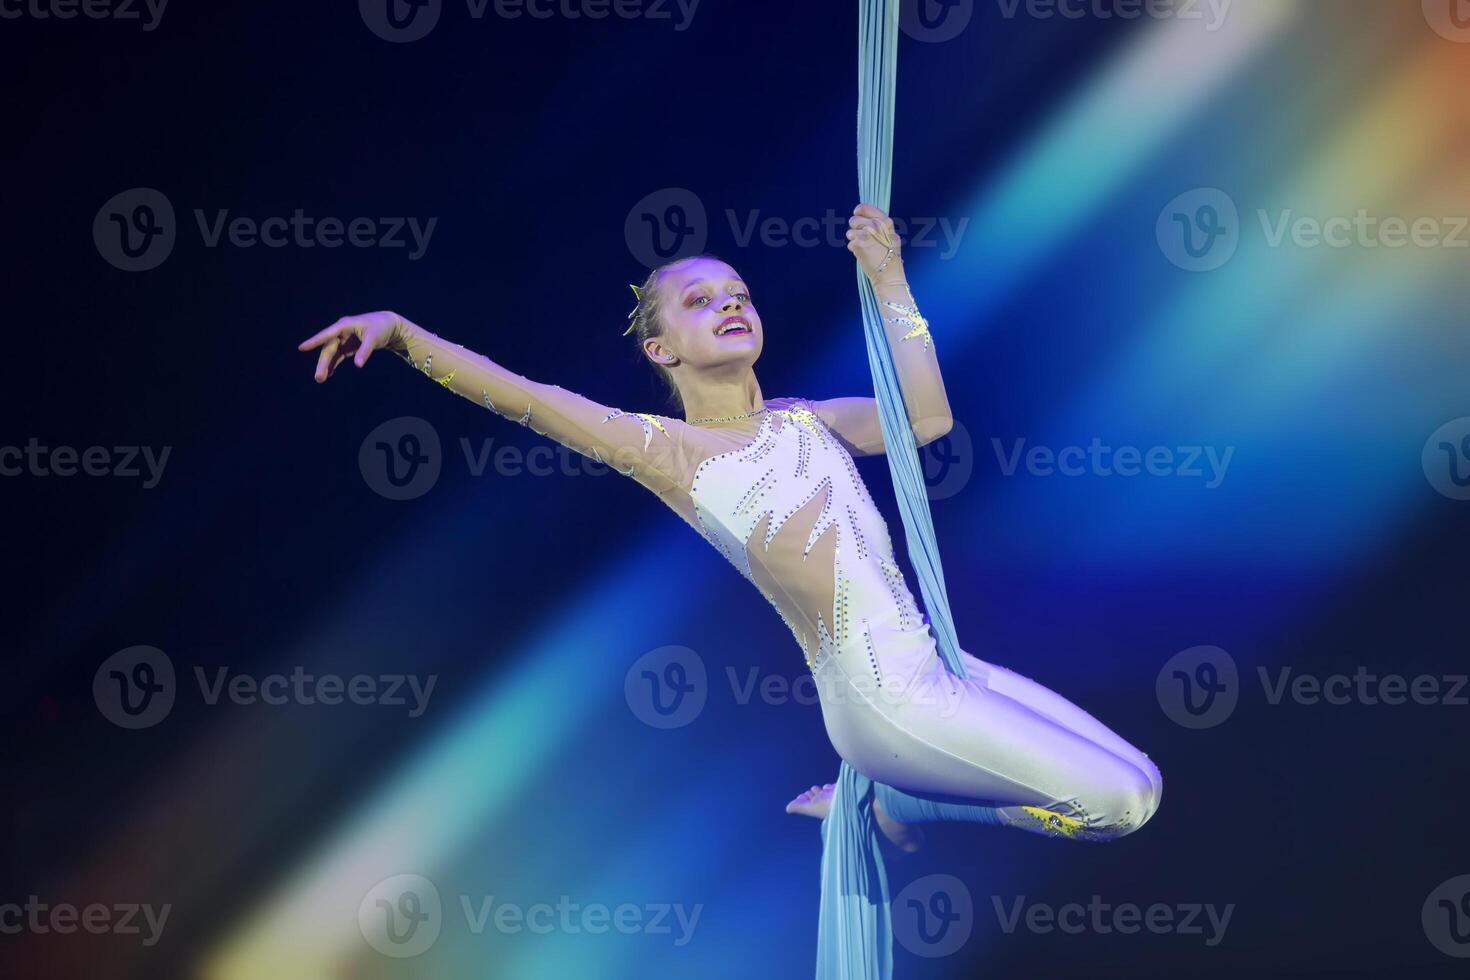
x=871, y=237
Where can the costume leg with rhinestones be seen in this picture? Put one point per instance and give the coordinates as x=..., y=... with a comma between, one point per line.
x=910, y=808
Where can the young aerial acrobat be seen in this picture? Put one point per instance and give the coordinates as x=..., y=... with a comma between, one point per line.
x=771, y=483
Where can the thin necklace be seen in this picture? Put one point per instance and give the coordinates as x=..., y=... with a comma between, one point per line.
x=727, y=418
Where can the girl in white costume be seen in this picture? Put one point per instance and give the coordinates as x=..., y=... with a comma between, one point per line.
x=770, y=482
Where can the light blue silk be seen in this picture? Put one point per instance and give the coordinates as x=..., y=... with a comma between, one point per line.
x=854, y=931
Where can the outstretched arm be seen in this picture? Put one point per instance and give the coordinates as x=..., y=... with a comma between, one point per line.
x=636, y=444
x=872, y=238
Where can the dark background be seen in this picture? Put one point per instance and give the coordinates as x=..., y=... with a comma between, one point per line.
x=263, y=547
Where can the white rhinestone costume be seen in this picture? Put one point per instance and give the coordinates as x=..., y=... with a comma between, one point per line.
x=781, y=498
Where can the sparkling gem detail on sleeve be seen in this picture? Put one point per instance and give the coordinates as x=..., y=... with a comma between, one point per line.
x=912, y=317
x=649, y=423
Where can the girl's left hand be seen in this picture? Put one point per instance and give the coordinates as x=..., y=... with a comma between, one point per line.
x=870, y=237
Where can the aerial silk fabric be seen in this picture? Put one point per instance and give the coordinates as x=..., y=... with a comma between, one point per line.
x=854, y=927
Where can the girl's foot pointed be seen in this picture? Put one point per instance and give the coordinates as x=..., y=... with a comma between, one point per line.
x=815, y=802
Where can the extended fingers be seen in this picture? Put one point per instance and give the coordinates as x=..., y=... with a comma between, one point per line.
x=326, y=363
x=338, y=331
x=320, y=337
x=365, y=349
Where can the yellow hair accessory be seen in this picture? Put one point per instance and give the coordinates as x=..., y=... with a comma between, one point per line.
x=638, y=293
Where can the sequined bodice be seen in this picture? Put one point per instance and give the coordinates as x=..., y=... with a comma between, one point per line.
x=791, y=513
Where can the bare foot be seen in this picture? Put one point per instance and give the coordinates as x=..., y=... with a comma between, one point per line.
x=817, y=802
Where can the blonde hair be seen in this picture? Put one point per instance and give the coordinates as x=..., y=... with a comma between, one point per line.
x=647, y=325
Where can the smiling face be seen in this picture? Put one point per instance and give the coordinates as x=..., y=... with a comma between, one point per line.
x=707, y=317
